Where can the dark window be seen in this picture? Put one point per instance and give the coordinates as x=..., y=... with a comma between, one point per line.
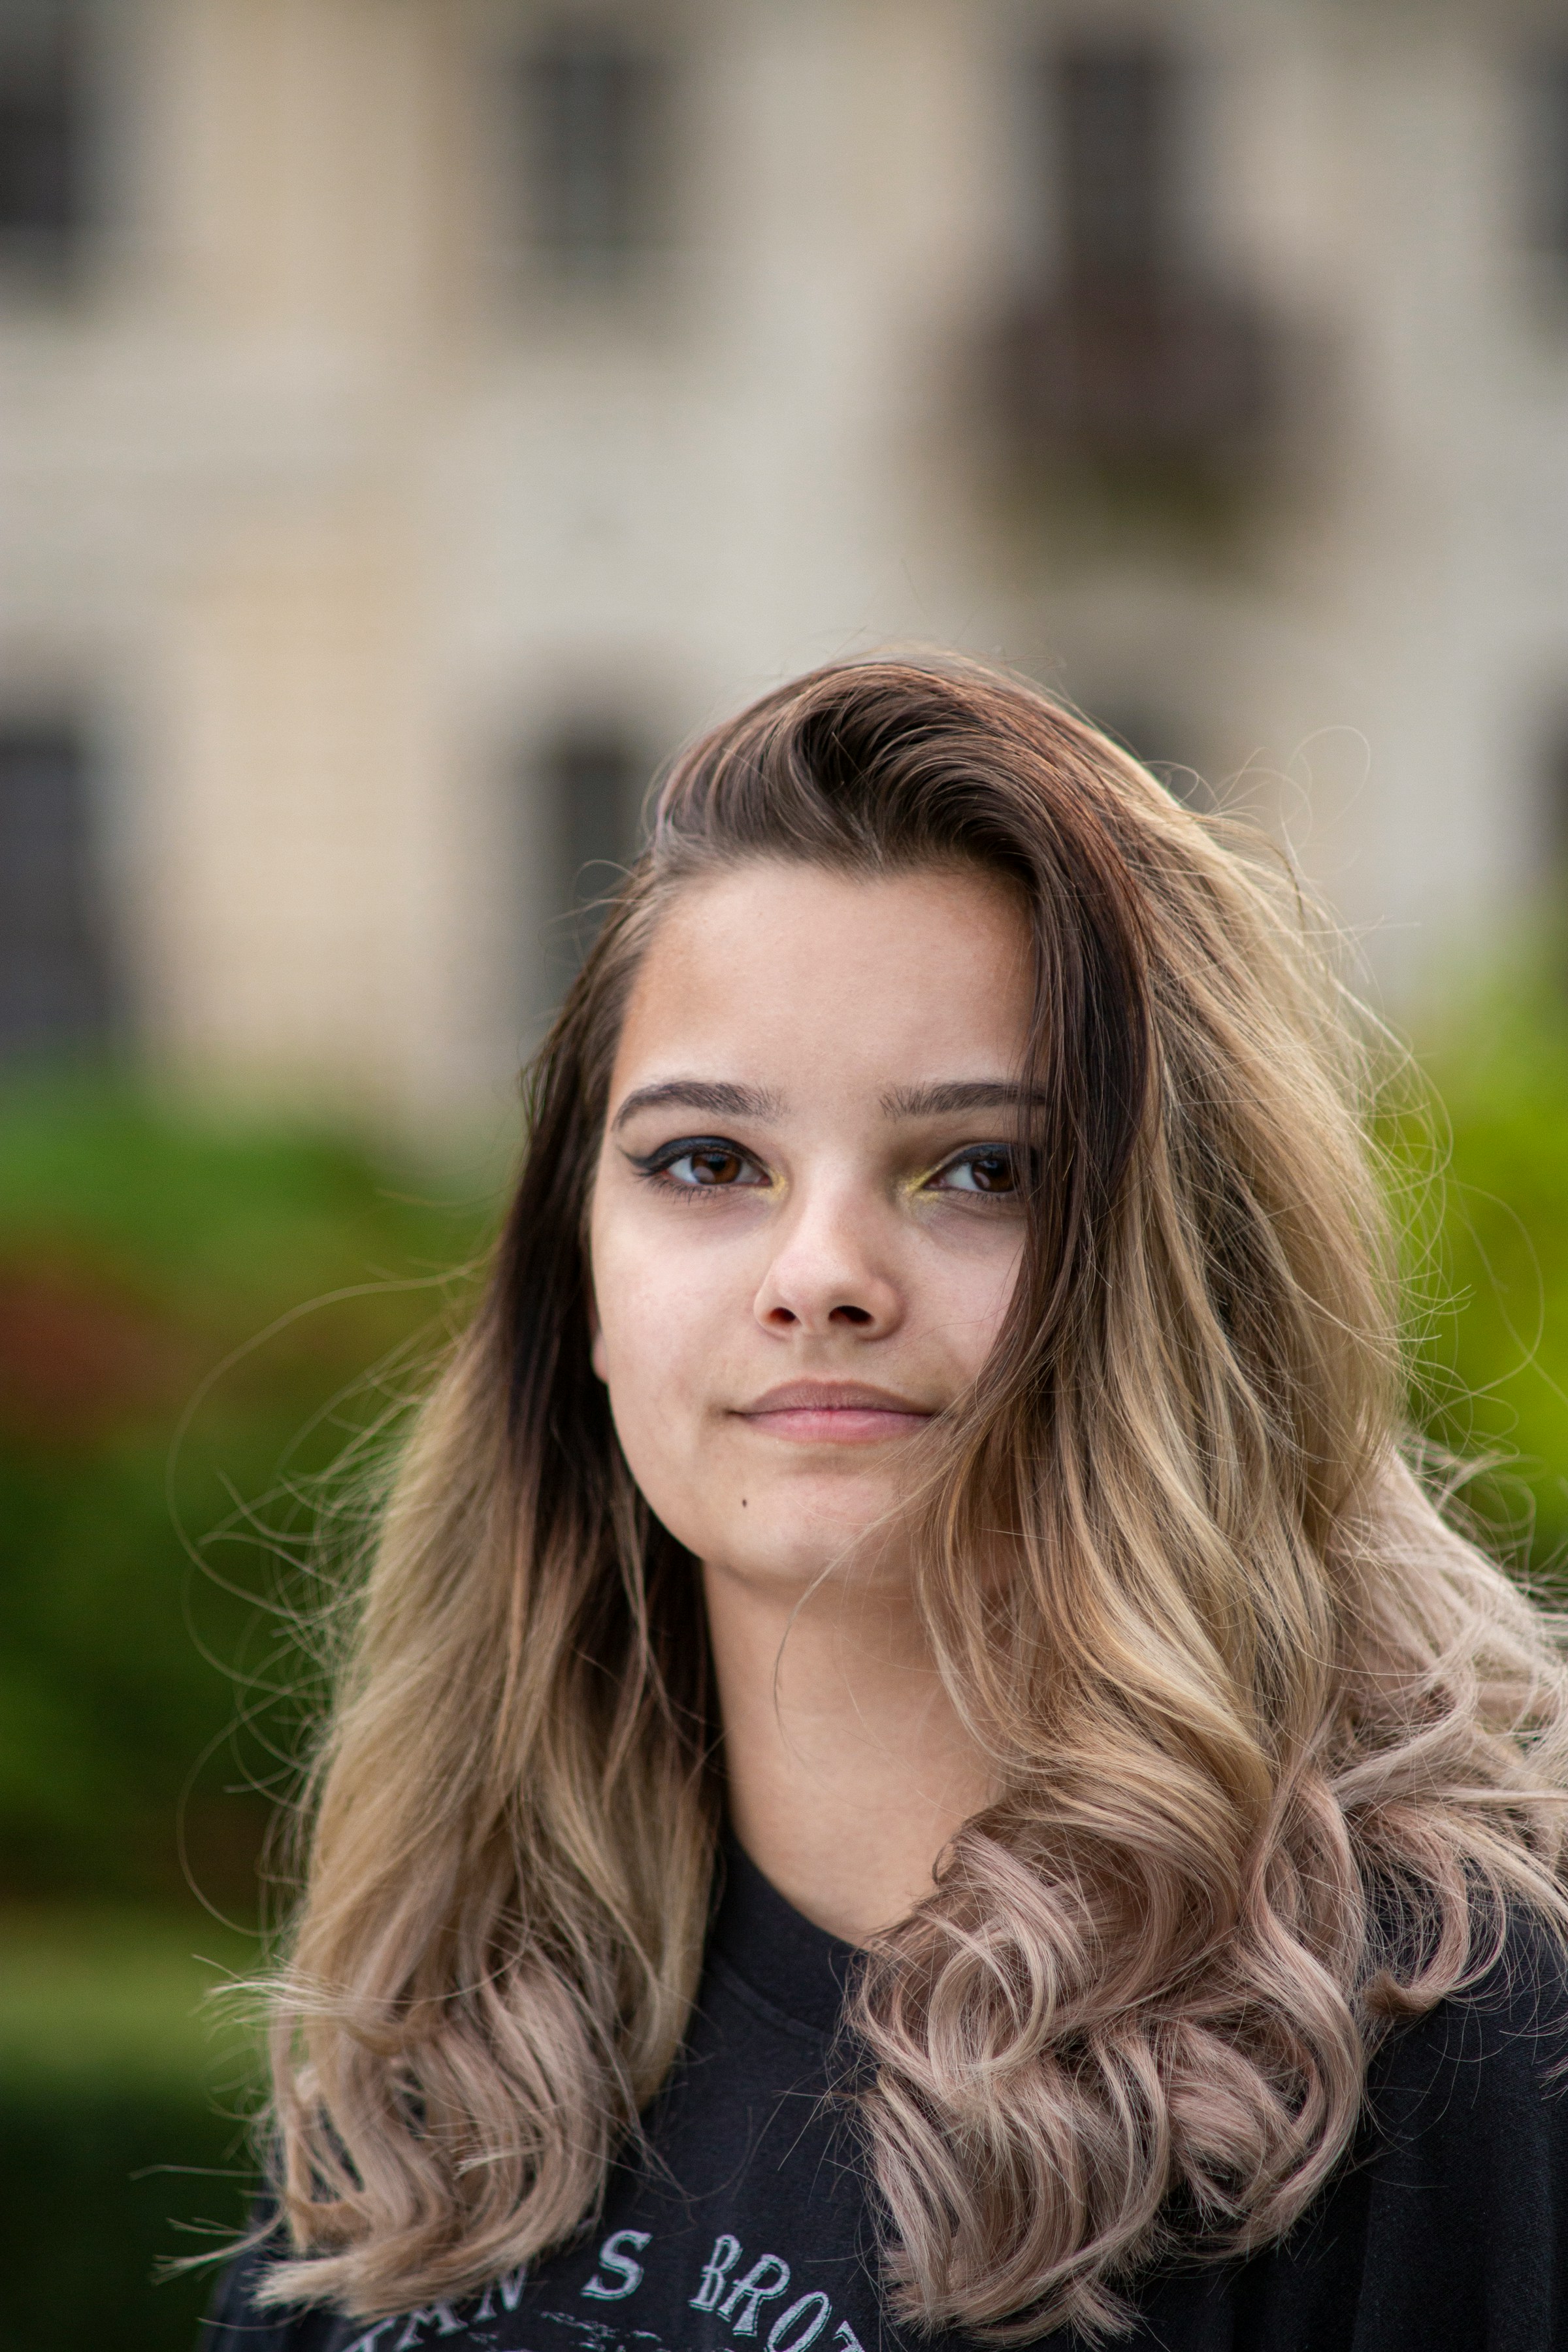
x=1546, y=159
x=594, y=109
x=43, y=193
x=1551, y=803
x=594, y=776
x=1134, y=358
x=55, y=989
x=1115, y=109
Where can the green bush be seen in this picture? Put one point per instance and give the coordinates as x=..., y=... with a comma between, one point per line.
x=1490, y=1258
x=189, y=1307
x=188, y=1310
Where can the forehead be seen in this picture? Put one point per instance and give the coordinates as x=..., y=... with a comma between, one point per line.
x=787, y=974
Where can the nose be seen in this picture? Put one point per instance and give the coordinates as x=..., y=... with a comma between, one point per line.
x=829, y=1271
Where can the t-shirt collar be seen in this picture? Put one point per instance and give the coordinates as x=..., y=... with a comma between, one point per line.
x=774, y=1948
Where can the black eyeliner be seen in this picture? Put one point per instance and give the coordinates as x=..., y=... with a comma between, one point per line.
x=1017, y=1157
x=665, y=1154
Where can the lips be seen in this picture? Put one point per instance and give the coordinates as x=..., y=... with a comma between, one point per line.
x=834, y=1412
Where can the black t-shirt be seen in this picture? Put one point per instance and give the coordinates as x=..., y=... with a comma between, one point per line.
x=749, y=2228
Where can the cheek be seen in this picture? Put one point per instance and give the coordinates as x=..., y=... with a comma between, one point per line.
x=654, y=1350
x=967, y=1302
x=653, y=1336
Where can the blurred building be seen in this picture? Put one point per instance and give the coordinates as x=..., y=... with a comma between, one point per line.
x=417, y=415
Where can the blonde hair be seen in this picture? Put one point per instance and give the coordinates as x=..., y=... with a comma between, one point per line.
x=1279, y=1750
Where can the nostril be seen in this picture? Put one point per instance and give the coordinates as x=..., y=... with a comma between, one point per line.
x=851, y=1315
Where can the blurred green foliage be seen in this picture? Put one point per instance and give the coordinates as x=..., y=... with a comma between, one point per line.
x=123, y=2105
x=189, y=1310
x=199, y=1317
x=1486, y=1218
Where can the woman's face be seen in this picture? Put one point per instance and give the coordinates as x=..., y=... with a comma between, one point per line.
x=806, y=1222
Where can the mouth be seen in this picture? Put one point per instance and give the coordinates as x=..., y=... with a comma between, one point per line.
x=834, y=1412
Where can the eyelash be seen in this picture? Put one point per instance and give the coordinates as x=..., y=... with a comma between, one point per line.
x=653, y=1168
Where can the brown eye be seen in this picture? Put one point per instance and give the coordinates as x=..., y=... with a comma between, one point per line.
x=712, y=1167
x=994, y=1171
x=716, y=1167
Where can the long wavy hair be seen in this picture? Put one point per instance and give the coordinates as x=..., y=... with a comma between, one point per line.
x=1277, y=1751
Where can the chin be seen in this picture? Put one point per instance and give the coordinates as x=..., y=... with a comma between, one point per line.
x=796, y=1548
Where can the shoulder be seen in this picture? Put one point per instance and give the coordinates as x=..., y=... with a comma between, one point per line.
x=1497, y=2049
x=1452, y=2222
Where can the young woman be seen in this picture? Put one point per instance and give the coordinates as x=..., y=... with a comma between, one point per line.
x=916, y=1760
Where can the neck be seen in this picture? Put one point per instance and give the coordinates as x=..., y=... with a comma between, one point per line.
x=846, y=1765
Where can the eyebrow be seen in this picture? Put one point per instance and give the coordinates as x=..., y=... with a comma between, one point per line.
x=957, y=1095
x=698, y=1094
x=722, y=1100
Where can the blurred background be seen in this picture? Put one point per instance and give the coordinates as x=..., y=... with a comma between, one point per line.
x=417, y=416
